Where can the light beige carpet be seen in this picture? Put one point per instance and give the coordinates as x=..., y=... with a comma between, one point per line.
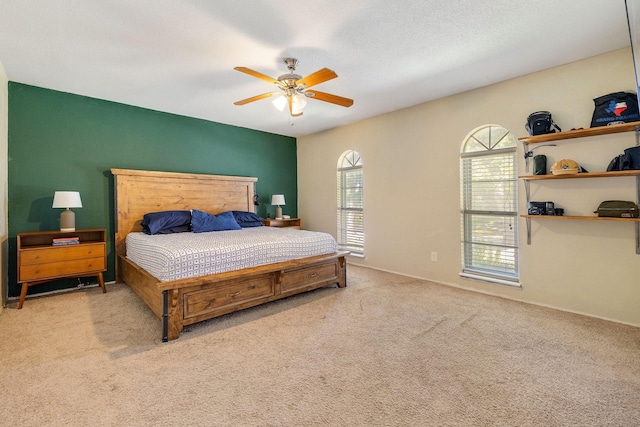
x=385, y=351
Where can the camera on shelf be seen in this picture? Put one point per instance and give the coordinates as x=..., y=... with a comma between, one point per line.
x=541, y=208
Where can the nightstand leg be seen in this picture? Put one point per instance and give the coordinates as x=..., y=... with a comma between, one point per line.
x=23, y=294
x=101, y=281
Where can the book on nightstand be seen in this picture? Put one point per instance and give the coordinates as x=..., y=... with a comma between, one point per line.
x=59, y=241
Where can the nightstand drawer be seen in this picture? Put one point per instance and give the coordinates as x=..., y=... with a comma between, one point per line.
x=33, y=272
x=62, y=253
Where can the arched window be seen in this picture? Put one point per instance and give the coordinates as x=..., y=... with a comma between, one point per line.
x=489, y=204
x=350, y=233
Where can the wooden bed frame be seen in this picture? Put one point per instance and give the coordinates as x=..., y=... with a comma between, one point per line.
x=183, y=302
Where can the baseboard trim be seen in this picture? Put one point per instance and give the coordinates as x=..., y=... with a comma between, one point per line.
x=455, y=285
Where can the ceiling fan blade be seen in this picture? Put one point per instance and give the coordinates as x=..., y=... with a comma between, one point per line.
x=254, y=98
x=318, y=77
x=327, y=97
x=256, y=74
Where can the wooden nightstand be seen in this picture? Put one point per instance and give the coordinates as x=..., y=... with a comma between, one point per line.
x=289, y=222
x=40, y=261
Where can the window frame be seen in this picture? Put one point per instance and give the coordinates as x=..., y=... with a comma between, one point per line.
x=350, y=218
x=478, y=246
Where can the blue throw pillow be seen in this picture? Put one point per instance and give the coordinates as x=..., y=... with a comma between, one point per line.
x=247, y=219
x=202, y=222
x=166, y=222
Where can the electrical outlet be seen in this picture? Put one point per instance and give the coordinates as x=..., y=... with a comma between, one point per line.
x=434, y=256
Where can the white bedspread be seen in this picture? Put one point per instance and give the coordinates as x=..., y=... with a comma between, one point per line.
x=177, y=256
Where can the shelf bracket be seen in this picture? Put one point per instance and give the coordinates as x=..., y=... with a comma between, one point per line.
x=637, y=224
x=527, y=192
x=527, y=155
x=528, y=198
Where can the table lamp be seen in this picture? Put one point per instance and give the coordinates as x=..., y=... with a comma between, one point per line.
x=66, y=200
x=278, y=200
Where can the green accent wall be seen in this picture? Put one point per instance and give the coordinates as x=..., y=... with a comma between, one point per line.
x=61, y=141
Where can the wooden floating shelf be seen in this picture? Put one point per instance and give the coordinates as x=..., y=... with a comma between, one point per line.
x=634, y=172
x=583, y=218
x=581, y=133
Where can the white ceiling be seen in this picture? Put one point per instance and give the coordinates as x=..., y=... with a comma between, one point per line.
x=178, y=56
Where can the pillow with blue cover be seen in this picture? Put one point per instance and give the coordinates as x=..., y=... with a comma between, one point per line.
x=166, y=222
x=247, y=219
x=202, y=221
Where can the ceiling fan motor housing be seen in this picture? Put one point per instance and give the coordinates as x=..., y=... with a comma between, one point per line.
x=288, y=81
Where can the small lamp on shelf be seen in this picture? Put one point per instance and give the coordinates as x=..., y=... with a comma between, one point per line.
x=66, y=200
x=278, y=200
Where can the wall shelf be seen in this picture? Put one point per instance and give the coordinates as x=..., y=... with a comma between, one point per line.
x=583, y=218
x=582, y=175
x=581, y=133
x=572, y=134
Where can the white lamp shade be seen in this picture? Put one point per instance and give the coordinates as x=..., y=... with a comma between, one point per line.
x=297, y=104
x=277, y=200
x=280, y=102
x=66, y=199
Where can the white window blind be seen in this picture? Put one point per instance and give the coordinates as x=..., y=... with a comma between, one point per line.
x=350, y=204
x=489, y=204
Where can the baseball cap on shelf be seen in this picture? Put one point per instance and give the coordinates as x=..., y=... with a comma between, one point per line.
x=565, y=167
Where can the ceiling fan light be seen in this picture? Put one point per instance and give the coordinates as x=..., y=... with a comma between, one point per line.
x=298, y=102
x=280, y=102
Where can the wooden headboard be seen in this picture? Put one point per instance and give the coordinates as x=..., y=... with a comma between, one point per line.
x=138, y=192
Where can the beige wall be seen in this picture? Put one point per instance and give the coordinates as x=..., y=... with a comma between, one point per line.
x=412, y=189
x=4, y=98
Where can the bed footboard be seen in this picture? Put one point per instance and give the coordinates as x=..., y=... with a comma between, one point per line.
x=184, y=302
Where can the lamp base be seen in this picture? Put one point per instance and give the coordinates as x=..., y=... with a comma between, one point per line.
x=278, y=212
x=67, y=220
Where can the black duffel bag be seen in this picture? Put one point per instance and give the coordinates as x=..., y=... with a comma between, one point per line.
x=627, y=161
x=614, y=109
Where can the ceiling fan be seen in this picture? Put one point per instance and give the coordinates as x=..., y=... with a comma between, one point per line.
x=292, y=86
